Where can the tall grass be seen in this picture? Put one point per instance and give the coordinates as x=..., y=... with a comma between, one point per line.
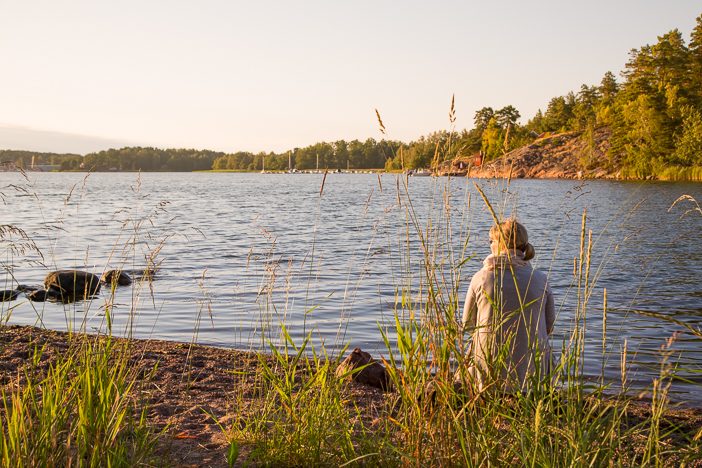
x=668, y=173
x=308, y=423
x=82, y=411
x=677, y=173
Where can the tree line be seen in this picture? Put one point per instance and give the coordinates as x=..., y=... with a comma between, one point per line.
x=654, y=116
x=355, y=154
x=123, y=159
x=24, y=159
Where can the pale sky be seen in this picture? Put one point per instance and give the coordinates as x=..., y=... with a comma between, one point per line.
x=273, y=75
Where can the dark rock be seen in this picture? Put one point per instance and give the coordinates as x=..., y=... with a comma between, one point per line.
x=9, y=295
x=72, y=285
x=117, y=277
x=372, y=373
x=41, y=295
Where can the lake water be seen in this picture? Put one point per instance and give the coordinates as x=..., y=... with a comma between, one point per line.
x=240, y=254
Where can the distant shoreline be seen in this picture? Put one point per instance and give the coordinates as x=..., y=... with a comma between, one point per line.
x=481, y=174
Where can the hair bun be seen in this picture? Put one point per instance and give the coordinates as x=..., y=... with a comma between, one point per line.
x=529, y=251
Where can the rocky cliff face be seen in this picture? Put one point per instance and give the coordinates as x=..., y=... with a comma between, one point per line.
x=570, y=155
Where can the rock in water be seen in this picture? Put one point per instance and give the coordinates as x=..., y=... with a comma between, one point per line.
x=373, y=374
x=116, y=276
x=8, y=295
x=40, y=295
x=72, y=285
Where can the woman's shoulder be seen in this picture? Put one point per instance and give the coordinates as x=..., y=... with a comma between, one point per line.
x=480, y=276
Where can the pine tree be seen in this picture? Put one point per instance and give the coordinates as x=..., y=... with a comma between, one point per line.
x=688, y=145
x=695, y=55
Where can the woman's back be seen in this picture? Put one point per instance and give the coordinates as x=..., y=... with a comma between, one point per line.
x=510, y=312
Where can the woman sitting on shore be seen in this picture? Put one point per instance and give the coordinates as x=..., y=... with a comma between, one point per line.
x=509, y=311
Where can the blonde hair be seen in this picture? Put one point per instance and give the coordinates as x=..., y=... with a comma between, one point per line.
x=510, y=234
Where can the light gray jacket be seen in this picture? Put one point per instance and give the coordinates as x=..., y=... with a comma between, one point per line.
x=509, y=312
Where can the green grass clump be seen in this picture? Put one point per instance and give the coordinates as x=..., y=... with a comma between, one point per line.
x=667, y=173
x=81, y=412
x=681, y=174
x=308, y=421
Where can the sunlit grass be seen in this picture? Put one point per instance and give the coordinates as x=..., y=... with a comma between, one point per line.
x=81, y=411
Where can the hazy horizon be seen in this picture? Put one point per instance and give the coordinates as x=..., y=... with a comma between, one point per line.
x=45, y=141
x=235, y=76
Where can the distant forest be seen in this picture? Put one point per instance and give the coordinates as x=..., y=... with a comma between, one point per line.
x=654, y=114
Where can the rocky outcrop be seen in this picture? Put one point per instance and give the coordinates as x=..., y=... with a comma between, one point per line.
x=72, y=285
x=117, y=277
x=372, y=373
x=570, y=155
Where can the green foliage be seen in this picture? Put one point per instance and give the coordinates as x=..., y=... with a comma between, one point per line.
x=507, y=116
x=695, y=51
x=370, y=154
x=425, y=151
x=483, y=117
x=493, y=140
x=150, y=159
x=647, y=136
x=80, y=413
x=688, y=144
x=654, y=117
x=309, y=423
x=653, y=114
x=608, y=88
x=495, y=132
x=560, y=113
x=469, y=141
